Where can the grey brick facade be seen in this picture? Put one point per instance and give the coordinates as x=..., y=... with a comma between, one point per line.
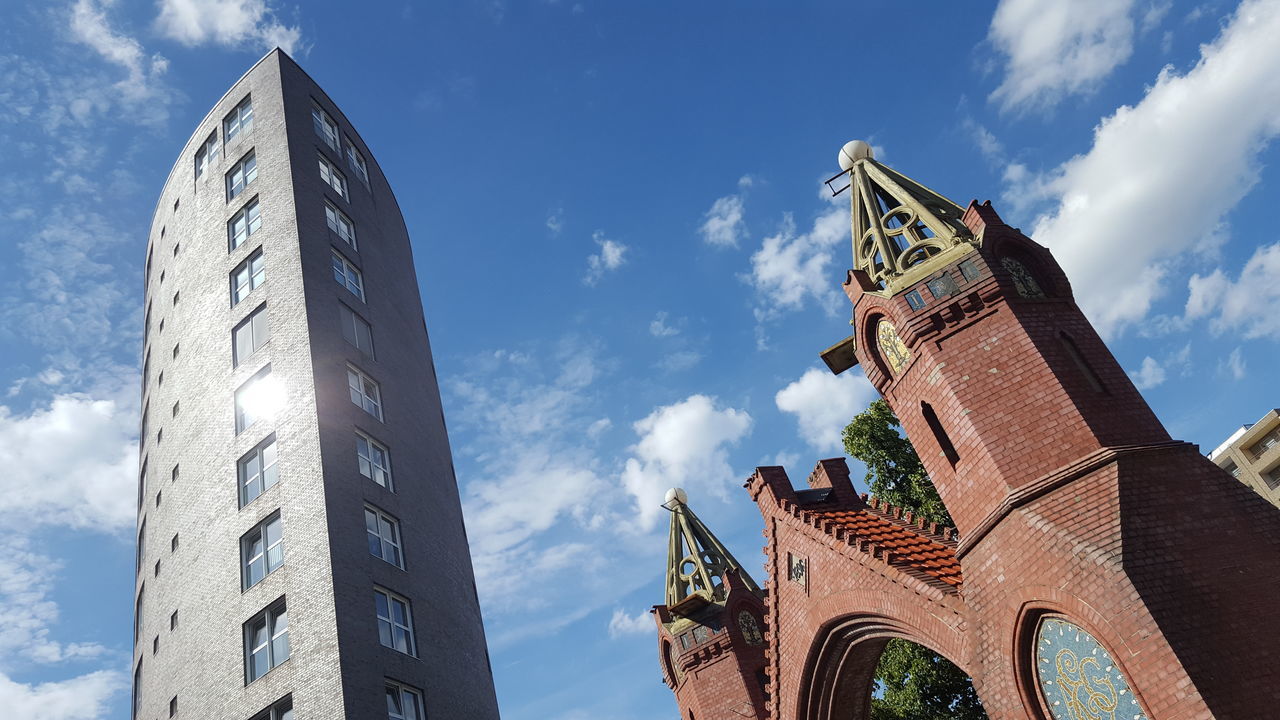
x=337, y=667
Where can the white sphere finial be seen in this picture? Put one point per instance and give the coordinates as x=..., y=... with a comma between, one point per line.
x=852, y=152
x=678, y=495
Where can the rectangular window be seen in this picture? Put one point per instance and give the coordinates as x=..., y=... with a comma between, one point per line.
x=250, y=335
x=1263, y=445
x=325, y=127
x=395, y=621
x=137, y=690
x=281, y=710
x=173, y=701
x=356, y=161
x=243, y=224
x=348, y=276
x=241, y=175
x=262, y=550
x=238, y=120
x=250, y=400
x=333, y=177
x=403, y=702
x=340, y=224
x=364, y=392
x=142, y=544
x=375, y=461
x=355, y=330
x=257, y=471
x=384, y=536
x=137, y=613
x=266, y=642
x=142, y=474
x=173, y=620
x=247, y=276
x=207, y=152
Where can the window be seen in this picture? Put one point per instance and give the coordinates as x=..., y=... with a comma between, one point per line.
x=142, y=474
x=250, y=335
x=238, y=120
x=257, y=471
x=266, y=642
x=175, y=249
x=142, y=544
x=403, y=702
x=326, y=128
x=160, y=436
x=348, y=276
x=173, y=544
x=1272, y=477
x=176, y=295
x=173, y=620
x=173, y=474
x=384, y=536
x=395, y=622
x=281, y=710
x=137, y=612
x=1073, y=351
x=1265, y=443
x=340, y=224
x=375, y=461
x=940, y=433
x=207, y=152
x=243, y=224
x=157, y=569
x=241, y=174
x=158, y=494
x=176, y=203
x=262, y=550
x=333, y=177
x=356, y=330
x=137, y=690
x=249, y=399
x=356, y=161
x=173, y=701
x=146, y=368
x=247, y=276
x=155, y=644
x=364, y=392
x=175, y=409
x=175, y=351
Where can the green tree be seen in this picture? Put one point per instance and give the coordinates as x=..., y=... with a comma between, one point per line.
x=915, y=683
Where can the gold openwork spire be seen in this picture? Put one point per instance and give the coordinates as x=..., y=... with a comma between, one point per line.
x=696, y=559
x=898, y=224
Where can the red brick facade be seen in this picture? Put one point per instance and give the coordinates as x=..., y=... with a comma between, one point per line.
x=1070, y=501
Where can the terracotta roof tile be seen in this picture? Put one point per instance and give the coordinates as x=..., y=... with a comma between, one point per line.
x=910, y=548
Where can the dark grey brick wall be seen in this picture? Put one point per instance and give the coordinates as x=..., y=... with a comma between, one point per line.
x=337, y=666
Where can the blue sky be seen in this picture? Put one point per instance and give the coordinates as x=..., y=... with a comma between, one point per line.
x=627, y=261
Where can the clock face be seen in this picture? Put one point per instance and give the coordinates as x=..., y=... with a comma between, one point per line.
x=1078, y=677
x=750, y=628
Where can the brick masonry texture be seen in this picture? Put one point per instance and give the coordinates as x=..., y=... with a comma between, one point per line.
x=1069, y=497
x=337, y=666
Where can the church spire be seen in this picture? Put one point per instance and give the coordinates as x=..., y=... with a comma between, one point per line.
x=898, y=224
x=696, y=560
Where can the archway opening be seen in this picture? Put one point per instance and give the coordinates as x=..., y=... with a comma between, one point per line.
x=912, y=682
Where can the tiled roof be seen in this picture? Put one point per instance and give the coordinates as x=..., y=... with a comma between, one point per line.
x=924, y=551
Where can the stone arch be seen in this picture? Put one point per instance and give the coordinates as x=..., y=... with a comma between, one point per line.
x=837, y=678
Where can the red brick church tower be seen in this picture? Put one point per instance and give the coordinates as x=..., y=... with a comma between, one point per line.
x=1098, y=570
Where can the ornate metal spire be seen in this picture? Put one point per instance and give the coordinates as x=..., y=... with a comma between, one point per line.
x=696, y=559
x=898, y=223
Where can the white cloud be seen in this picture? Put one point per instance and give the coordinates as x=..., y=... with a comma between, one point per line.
x=555, y=221
x=26, y=611
x=1234, y=365
x=790, y=269
x=1150, y=375
x=678, y=361
x=1244, y=304
x=80, y=698
x=823, y=404
x=623, y=624
x=72, y=463
x=658, y=327
x=724, y=224
x=611, y=257
x=230, y=23
x=89, y=25
x=1054, y=49
x=1162, y=175
x=684, y=444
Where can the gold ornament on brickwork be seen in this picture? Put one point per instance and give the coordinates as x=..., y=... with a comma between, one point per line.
x=1078, y=677
x=892, y=349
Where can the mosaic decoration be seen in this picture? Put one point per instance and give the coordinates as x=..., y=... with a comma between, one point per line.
x=1078, y=677
x=1023, y=281
x=750, y=628
x=798, y=569
x=892, y=348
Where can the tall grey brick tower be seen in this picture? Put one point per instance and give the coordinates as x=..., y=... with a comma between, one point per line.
x=300, y=537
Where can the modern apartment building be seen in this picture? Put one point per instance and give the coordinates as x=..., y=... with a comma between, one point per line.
x=1252, y=456
x=301, y=550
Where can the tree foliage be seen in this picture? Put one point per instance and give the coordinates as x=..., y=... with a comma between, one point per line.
x=913, y=682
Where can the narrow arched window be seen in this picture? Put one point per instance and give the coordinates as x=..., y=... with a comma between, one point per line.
x=940, y=433
x=1078, y=358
